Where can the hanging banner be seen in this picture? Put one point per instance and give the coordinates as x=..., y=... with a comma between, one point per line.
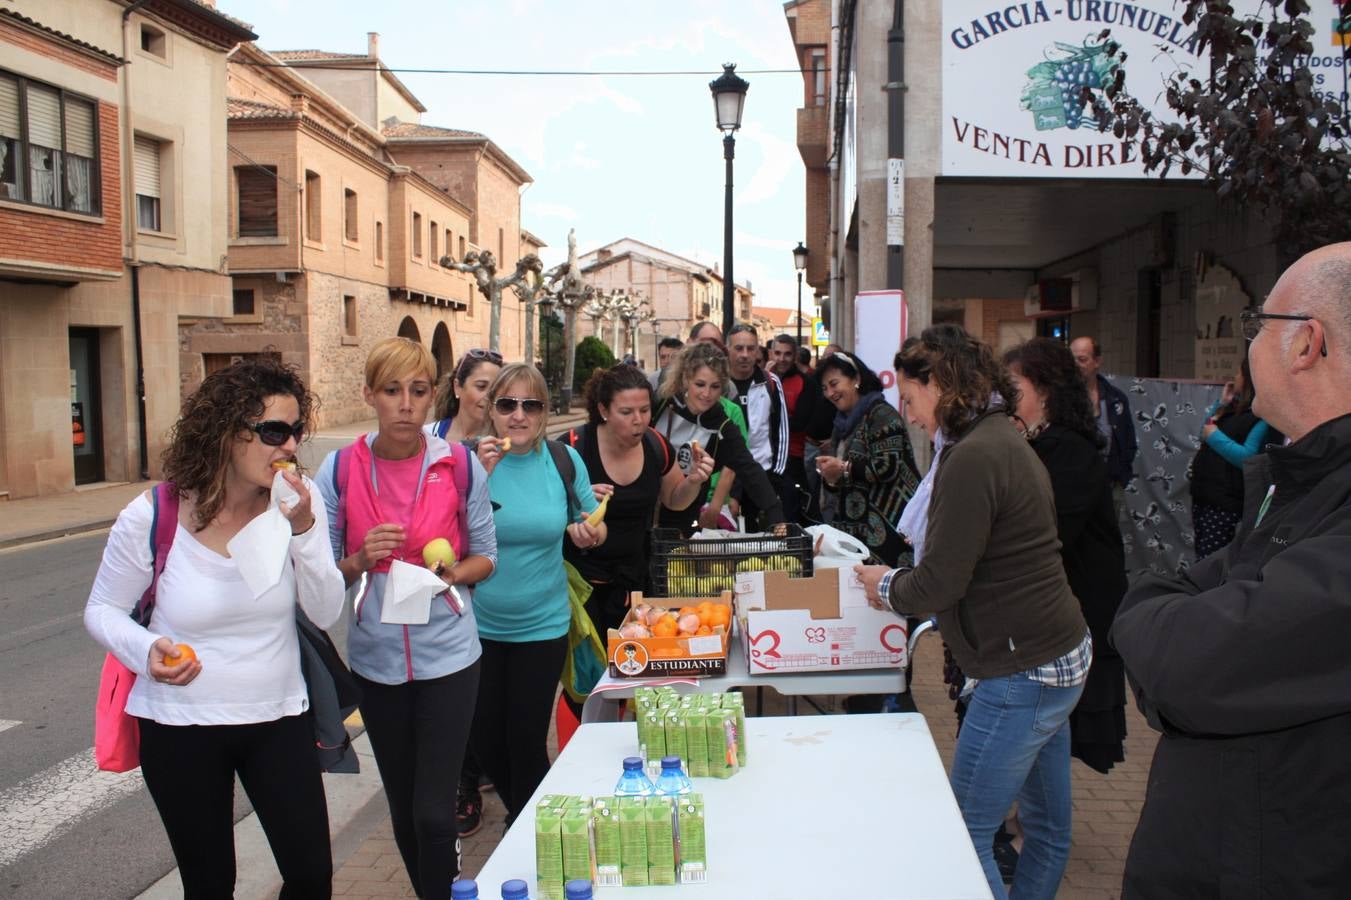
x=880, y=323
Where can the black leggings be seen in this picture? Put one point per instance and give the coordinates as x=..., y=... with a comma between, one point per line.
x=418, y=732
x=190, y=771
x=511, y=721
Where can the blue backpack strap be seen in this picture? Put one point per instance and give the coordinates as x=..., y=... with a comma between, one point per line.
x=443, y=428
x=342, y=466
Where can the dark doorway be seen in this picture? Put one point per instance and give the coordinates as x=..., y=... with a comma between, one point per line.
x=1148, y=323
x=86, y=420
x=1055, y=327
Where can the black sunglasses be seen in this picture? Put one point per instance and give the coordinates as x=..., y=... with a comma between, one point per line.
x=275, y=432
x=507, y=405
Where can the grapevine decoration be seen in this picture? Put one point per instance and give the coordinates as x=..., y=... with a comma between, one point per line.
x=1055, y=91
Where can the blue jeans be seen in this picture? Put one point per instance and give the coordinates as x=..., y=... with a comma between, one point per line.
x=1015, y=745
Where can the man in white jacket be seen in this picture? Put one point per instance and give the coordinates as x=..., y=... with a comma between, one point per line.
x=760, y=396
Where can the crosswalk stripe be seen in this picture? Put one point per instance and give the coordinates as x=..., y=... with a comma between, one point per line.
x=46, y=805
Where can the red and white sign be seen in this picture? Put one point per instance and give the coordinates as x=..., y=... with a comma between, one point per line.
x=880, y=325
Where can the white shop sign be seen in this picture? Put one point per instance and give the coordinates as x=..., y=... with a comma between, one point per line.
x=1011, y=69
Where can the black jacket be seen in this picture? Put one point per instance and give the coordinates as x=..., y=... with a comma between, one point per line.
x=1214, y=480
x=1243, y=664
x=1121, y=453
x=1095, y=565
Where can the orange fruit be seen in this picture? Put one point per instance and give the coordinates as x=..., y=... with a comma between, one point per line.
x=688, y=610
x=703, y=631
x=721, y=615
x=180, y=653
x=665, y=627
x=705, y=612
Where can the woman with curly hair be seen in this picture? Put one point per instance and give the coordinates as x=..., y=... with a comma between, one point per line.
x=692, y=419
x=239, y=707
x=990, y=572
x=873, y=467
x=1055, y=416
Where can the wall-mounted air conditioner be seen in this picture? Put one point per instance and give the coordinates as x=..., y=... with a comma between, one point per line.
x=1074, y=292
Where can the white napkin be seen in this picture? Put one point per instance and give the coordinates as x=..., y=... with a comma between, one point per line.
x=408, y=594
x=260, y=548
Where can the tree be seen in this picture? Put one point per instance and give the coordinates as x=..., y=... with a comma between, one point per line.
x=592, y=354
x=1264, y=128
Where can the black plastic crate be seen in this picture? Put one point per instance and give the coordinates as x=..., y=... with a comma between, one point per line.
x=702, y=568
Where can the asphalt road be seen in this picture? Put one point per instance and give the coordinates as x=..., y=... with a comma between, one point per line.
x=67, y=830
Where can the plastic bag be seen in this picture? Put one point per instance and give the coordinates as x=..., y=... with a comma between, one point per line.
x=833, y=543
x=586, y=662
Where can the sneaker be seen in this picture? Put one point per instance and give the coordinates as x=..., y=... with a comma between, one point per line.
x=468, y=814
x=1006, y=858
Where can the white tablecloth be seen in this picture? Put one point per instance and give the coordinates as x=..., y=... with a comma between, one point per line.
x=848, y=807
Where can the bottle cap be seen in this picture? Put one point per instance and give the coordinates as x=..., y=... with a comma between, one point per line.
x=670, y=762
x=464, y=889
x=577, y=889
x=633, y=764
x=515, y=889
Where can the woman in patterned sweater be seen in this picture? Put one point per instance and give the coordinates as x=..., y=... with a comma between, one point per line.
x=873, y=468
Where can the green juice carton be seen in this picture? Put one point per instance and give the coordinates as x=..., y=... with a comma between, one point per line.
x=633, y=840
x=549, y=853
x=576, y=802
x=675, y=733
x=715, y=698
x=552, y=801
x=606, y=840
x=691, y=846
x=575, y=832
x=656, y=733
x=723, y=761
x=696, y=742
x=661, y=840
x=737, y=701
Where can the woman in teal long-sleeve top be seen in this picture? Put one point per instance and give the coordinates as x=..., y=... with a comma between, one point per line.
x=1232, y=433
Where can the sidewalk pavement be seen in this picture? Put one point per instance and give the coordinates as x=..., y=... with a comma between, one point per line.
x=94, y=507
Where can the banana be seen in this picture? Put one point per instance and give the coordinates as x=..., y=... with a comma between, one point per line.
x=599, y=515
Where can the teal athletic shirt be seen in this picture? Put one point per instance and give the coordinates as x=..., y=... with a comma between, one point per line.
x=526, y=598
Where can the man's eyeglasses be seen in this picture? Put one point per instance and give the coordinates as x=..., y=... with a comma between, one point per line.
x=275, y=432
x=1252, y=321
x=507, y=405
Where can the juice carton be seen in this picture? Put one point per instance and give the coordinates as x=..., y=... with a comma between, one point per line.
x=692, y=857
x=552, y=801
x=633, y=840
x=576, y=843
x=549, y=852
x=696, y=742
x=656, y=733
x=737, y=701
x=605, y=831
x=722, y=750
x=661, y=840
x=576, y=802
x=675, y=733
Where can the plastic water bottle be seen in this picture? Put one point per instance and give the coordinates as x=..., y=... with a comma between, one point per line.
x=673, y=781
x=515, y=889
x=464, y=889
x=577, y=889
x=633, y=783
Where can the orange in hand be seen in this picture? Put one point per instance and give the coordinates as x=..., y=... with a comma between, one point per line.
x=180, y=653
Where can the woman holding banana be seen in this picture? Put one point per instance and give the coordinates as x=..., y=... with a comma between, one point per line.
x=523, y=610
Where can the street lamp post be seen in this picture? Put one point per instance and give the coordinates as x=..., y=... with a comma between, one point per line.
x=729, y=99
x=799, y=263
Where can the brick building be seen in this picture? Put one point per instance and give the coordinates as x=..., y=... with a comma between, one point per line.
x=112, y=212
x=467, y=166
x=681, y=291
x=332, y=248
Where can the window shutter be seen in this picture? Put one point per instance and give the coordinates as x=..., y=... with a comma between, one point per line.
x=44, y=117
x=9, y=108
x=145, y=164
x=80, y=128
x=257, y=200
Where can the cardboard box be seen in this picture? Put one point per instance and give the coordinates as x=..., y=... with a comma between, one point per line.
x=817, y=624
x=672, y=657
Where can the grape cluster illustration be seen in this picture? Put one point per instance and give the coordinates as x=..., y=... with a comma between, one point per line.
x=1056, y=84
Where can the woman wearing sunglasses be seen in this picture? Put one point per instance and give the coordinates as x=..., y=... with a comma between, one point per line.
x=388, y=495
x=462, y=398
x=523, y=610
x=239, y=707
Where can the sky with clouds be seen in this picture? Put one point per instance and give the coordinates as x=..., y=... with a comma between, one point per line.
x=612, y=156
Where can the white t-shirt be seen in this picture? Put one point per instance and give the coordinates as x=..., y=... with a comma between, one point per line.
x=248, y=648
